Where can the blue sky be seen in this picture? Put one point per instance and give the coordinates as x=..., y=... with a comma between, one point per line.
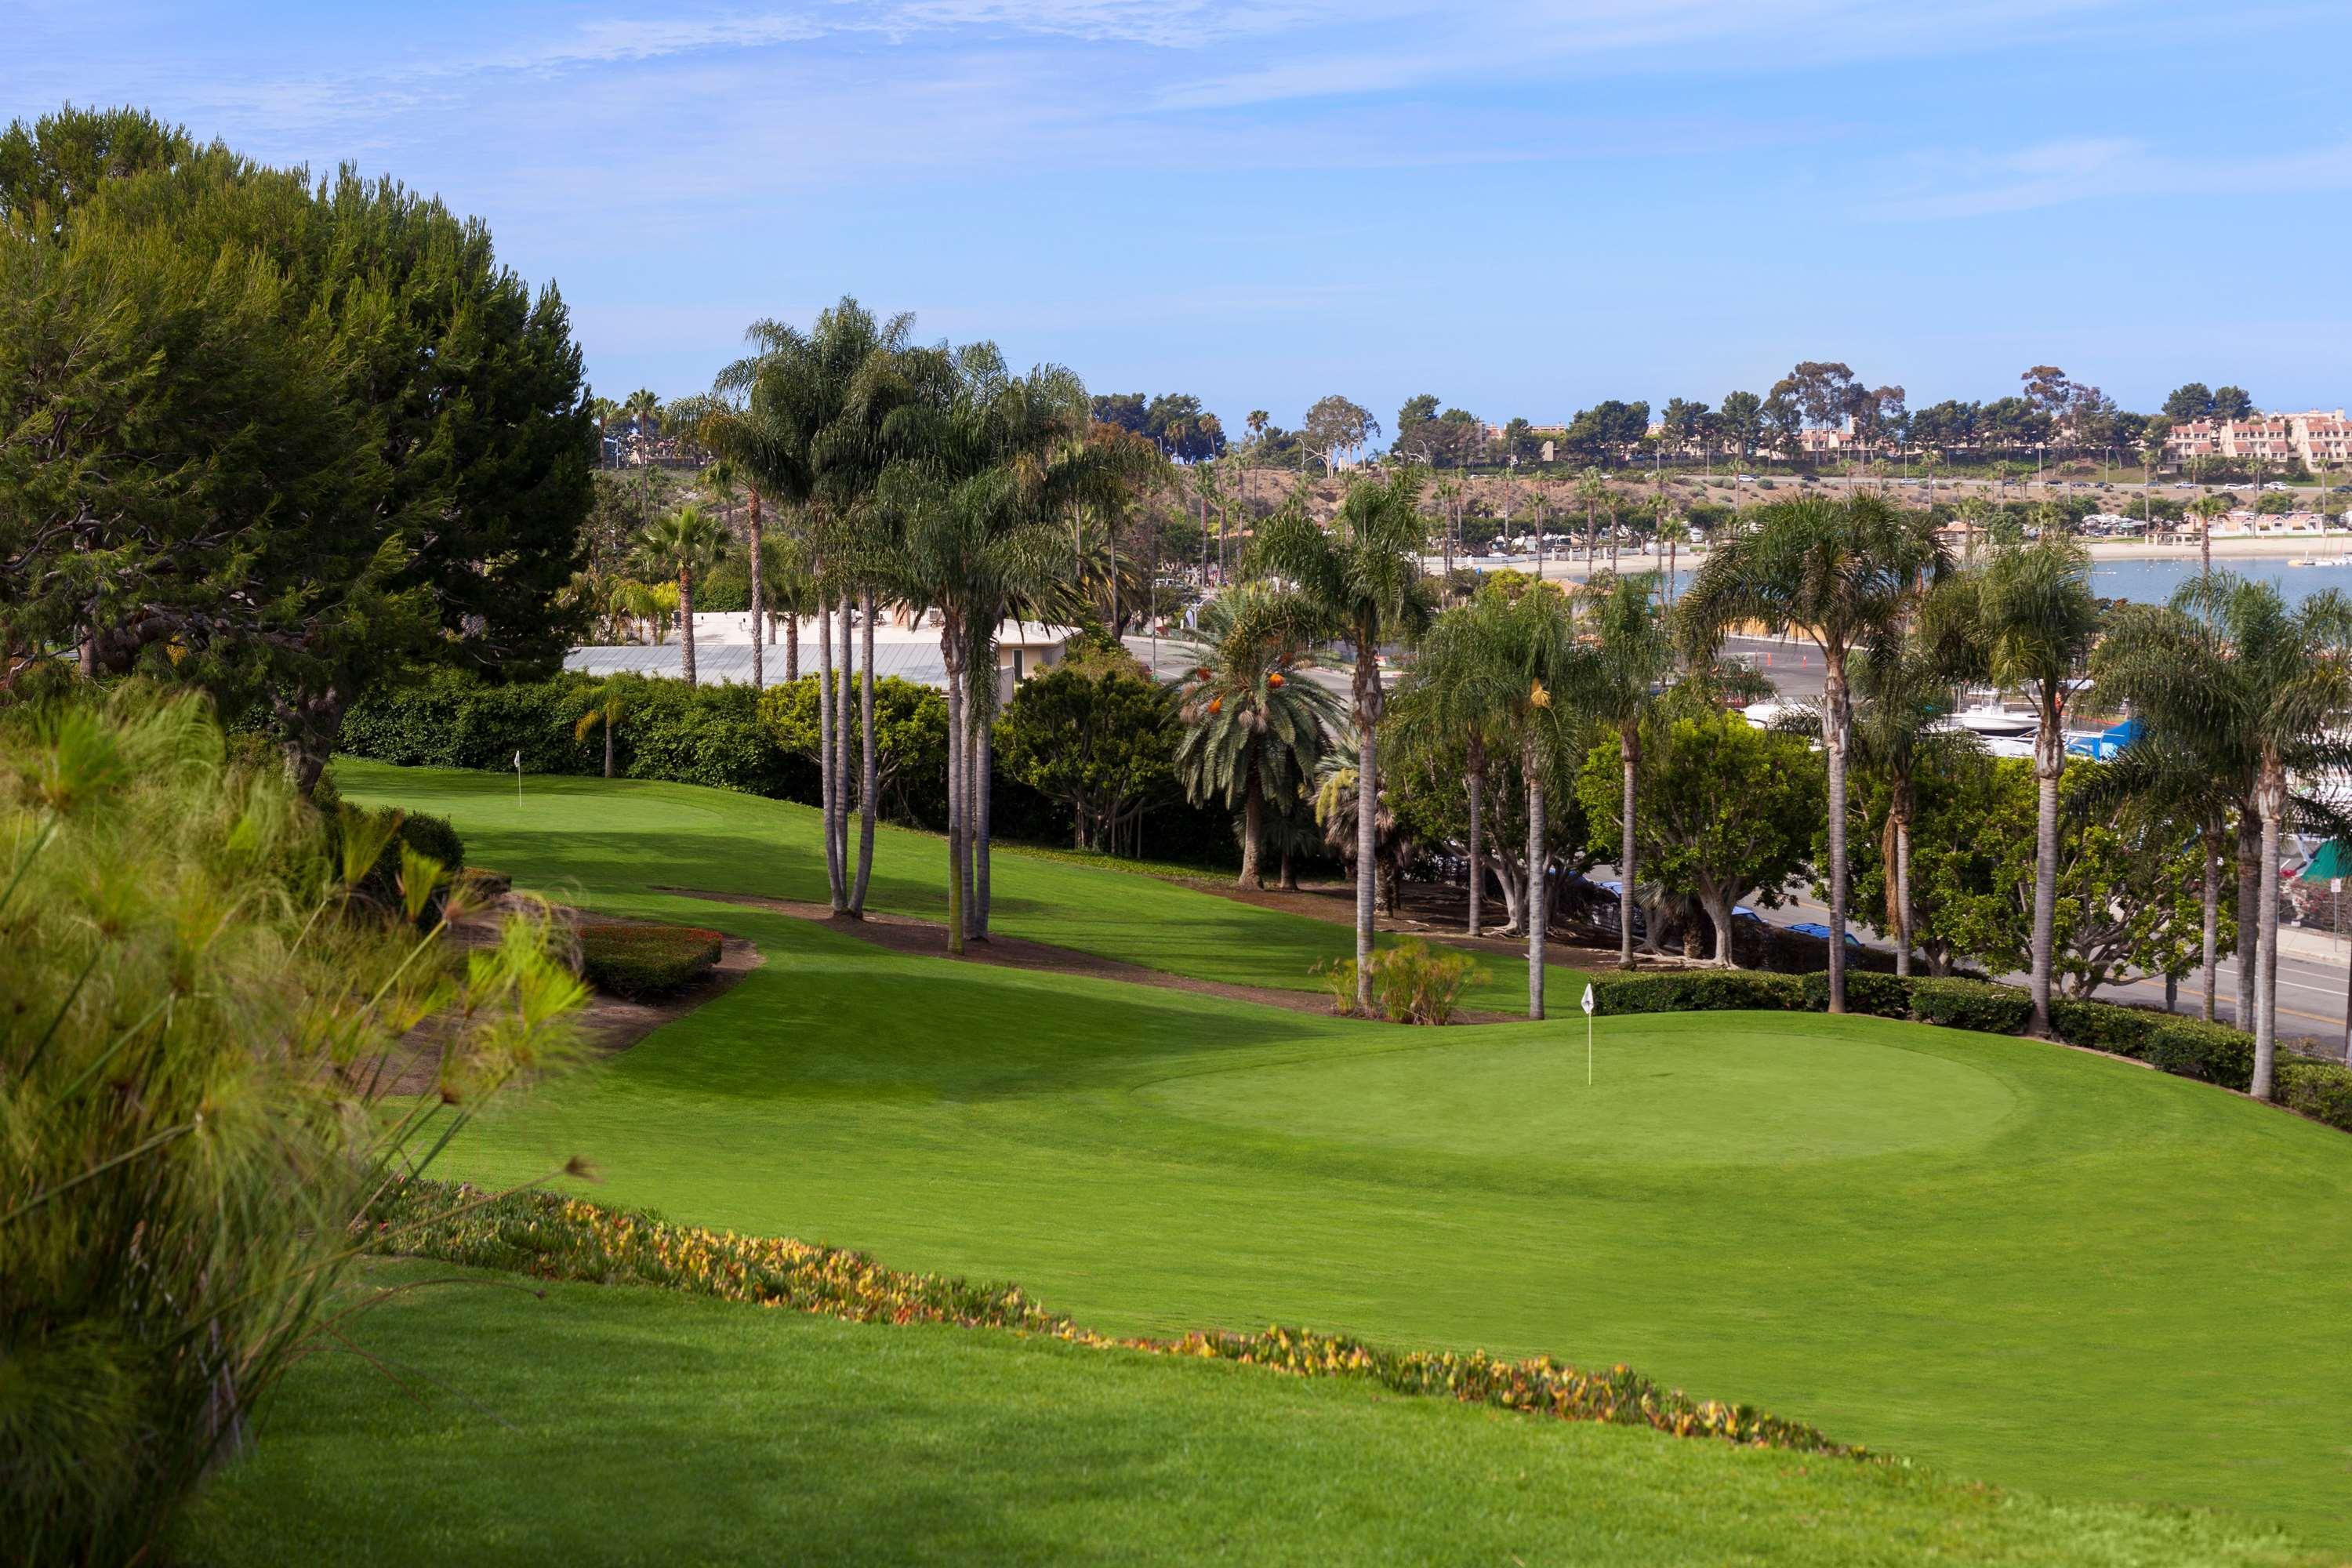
x=1521, y=208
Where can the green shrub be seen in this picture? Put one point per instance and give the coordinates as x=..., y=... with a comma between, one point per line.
x=1413, y=982
x=2212, y=1052
x=1694, y=990
x=2104, y=1026
x=1977, y=1005
x=1879, y=995
x=636, y=960
x=2321, y=1090
x=1417, y=984
x=379, y=883
x=188, y=1145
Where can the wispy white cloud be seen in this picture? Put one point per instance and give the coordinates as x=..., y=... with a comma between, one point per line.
x=2060, y=173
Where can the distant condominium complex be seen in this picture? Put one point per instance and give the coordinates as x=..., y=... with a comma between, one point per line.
x=2315, y=439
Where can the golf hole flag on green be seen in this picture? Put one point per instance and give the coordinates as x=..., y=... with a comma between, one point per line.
x=1587, y=1035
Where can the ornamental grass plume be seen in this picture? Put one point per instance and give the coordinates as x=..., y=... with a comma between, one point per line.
x=199, y=1011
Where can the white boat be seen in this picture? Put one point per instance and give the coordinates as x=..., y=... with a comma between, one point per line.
x=1991, y=720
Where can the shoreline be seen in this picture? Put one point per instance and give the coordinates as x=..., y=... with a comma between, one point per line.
x=2102, y=551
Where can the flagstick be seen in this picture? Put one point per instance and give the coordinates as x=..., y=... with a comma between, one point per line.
x=1587, y=1050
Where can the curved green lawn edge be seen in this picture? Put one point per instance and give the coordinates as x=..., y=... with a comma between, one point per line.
x=549, y=1237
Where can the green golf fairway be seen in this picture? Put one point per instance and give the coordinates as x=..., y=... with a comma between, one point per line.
x=2006, y=1259
x=625, y=1426
x=593, y=836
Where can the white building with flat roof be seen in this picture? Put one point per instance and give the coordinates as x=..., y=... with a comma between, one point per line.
x=723, y=651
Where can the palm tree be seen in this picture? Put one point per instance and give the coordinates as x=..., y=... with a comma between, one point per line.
x=1255, y=725
x=678, y=546
x=2234, y=661
x=2026, y=620
x=1363, y=579
x=2206, y=508
x=1904, y=697
x=1634, y=655
x=1450, y=699
x=1592, y=489
x=1844, y=574
x=642, y=410
x=789, y=591
x=985, y=475
x=612, y=706
x=813, y=429
x=724, y=479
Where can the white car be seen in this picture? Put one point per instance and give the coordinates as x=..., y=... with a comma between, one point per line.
x=1747, y=478
x=2275, y=485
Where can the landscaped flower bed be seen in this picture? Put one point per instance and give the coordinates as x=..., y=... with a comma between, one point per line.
x=549, y=1237
x=635, y=961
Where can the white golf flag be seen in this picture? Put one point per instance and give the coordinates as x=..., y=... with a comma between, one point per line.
x=1588, y=999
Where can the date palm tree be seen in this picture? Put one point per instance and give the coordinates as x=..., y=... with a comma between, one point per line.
x=1592, y=489
x=680, y=546
x=2026, y=620
x=1363, y=579
x=1255, y=724
x=1843, y=573
x=1633, y=656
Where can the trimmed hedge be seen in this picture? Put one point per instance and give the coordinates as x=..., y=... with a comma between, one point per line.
x=2212, y=1052
x=1696, y=991
x=1878, y=995
x=2104, y=1026
x=1979, y=1005
x=635, y=961
x=2321, y=1090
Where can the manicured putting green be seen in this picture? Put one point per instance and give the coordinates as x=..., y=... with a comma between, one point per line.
x=1776, y=1095
x=2006, y=1259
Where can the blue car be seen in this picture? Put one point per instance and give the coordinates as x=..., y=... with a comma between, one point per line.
x=1814, y=928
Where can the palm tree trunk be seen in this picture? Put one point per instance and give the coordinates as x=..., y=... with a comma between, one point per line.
x=1903, y=895
x=2211, y=938
x=955, y=805
x=1533, y=907
x=1833, y=740
x=608, y=745
x=1478, y=862
x=2273, y=807
x=2049, y=762
x=983, y=768
x=1289, y=873
x=792, y=647
x=686, y=618
x=759, y=601
x=829, y=784
x=1630, y=747
x=1252, y=821
x=2250, y=888
x=868, y=775
x=1368, y=807
x=840, y=753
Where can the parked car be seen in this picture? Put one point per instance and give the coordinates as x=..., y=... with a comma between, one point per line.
x=1815, y=927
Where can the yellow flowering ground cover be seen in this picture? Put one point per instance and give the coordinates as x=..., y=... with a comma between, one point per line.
x=549, y=1237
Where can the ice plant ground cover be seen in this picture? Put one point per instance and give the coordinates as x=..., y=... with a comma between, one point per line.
x=2004, y=1259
